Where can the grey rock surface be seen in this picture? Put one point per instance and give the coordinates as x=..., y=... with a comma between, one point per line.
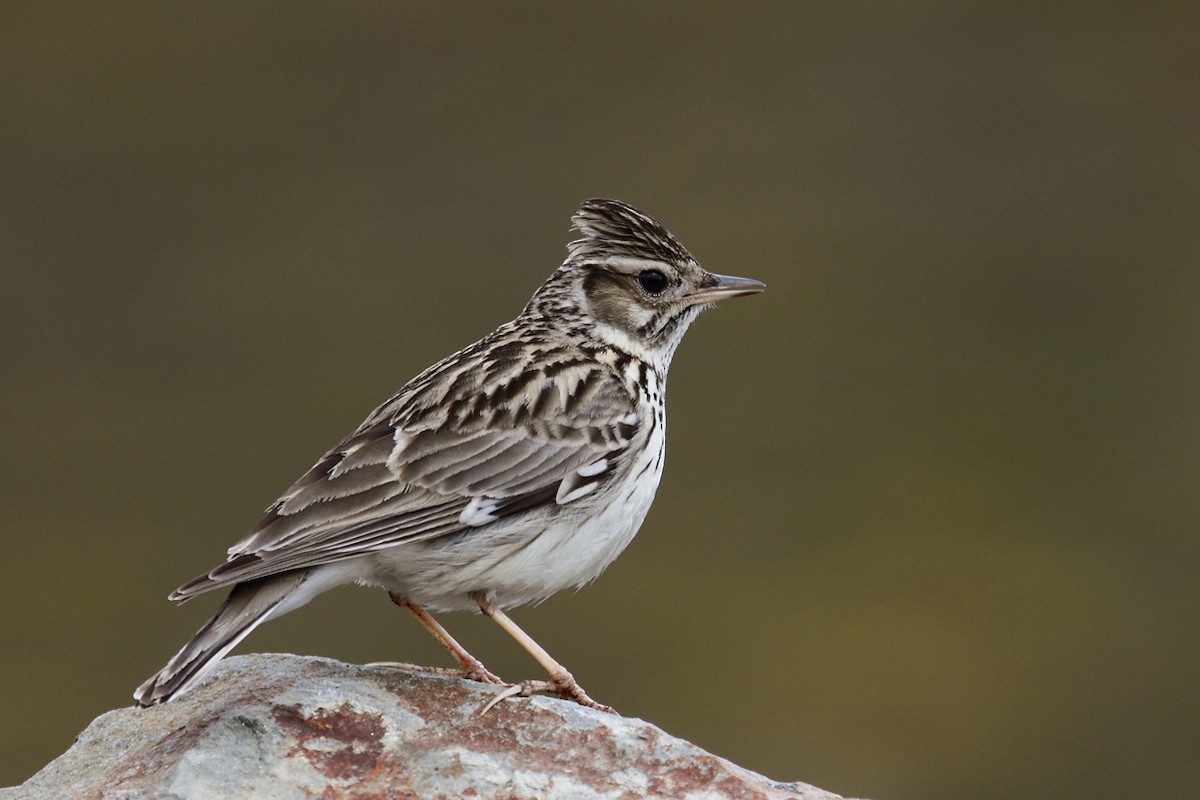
x=280, y=727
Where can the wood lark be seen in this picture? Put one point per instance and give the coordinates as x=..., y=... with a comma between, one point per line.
x=521, y=465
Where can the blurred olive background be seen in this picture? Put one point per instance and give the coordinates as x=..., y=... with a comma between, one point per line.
x=928, y=528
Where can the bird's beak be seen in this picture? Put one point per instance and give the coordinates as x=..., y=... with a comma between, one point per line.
x=721, y=287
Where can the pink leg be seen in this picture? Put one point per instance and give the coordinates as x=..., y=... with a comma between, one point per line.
x=561, y=680
x=471, y=666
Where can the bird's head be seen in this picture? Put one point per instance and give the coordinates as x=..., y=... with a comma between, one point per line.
x=629, y=282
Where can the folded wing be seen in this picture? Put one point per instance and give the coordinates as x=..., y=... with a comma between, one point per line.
x=407, y=476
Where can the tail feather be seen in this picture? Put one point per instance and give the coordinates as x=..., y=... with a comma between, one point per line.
x=248, y=605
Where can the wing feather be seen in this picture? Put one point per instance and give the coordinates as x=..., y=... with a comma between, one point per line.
x=440, y=447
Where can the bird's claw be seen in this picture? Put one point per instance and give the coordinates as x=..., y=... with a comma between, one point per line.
x=479, y=673
x=522, y=689
x=566, y=690
x=482, y=675
x=573, y=691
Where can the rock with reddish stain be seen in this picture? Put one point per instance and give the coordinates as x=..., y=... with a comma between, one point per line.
x=276, y=727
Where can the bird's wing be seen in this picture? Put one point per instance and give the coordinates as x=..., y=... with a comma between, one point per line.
x=419, y=470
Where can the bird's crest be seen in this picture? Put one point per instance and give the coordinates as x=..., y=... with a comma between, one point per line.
x=612, y=228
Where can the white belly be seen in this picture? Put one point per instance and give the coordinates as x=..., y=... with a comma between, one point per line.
x=530, y=559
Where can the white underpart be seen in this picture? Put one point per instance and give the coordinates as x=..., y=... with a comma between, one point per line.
x=319, y=580
x=530, y=557
x=572, y=553
x=658, y=357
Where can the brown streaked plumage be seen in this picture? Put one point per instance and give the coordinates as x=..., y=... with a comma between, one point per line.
x=521, y=465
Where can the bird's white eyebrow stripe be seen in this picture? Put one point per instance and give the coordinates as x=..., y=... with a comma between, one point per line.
x=631, y=264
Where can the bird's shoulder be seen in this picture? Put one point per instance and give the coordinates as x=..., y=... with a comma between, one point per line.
x=520, y=381
x=502, y=418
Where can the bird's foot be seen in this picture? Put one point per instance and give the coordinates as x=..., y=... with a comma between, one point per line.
x=568, y=688
x=472, y=672
x=410, y=667
x=522, y=689
x=565, y=687
x=478, y=672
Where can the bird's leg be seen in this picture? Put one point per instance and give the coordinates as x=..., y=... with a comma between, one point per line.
x=561, y=681
x=472, y=667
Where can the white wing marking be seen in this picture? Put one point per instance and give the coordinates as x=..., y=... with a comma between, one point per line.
x=480, y=511
x=593, y=469
x=574, y=486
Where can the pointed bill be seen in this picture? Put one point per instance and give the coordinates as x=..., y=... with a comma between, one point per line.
x=722, y=287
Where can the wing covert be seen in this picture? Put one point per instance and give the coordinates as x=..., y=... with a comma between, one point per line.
x=420, y=470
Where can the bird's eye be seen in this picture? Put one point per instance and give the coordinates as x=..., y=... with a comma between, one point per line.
x=652, y=281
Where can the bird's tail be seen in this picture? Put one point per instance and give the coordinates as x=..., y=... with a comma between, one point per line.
x=248, y=605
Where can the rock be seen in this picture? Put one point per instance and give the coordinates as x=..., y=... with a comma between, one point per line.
x=281, y=727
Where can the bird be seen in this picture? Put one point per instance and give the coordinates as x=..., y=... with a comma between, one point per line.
x=517, y=467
